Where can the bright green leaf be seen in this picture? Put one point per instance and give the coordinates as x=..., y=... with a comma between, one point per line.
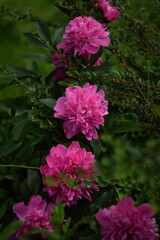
x=58, y=214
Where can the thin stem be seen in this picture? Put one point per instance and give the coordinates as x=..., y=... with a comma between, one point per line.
x=18, y=166
x=129, y=71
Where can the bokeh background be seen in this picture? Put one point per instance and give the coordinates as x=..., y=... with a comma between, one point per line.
x=13, y=23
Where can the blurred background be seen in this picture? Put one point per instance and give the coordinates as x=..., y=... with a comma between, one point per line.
x=16, y=18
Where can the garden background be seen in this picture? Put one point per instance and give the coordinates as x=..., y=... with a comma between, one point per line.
x=128, y=149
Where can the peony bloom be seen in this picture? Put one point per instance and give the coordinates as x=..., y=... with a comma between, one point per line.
x=36, y=214
x=98, y=62
x=110, y=12
x=84, y=35
x=82, y=110
x=59, y=67
x=67, y=173
x=126, y=222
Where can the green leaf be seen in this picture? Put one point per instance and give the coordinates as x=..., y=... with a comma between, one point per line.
x=8, y=147
x=66, y=225
x=9, y=177
x=71, y=231
x=50, y=102
x=38, y=56
x=35, y=139
x=50, y=235
x=23, y=71
x=97, y=147
x=6, y=76
x=20, y=129
x=33, y=181
x=23, y=153
x=11, y=103
x=57, y=36
x=64, y=9
x=10, y=230
x=36, y=41
x=101, y=201
x=43, y=31
x=32, y=65
x=58, y=214
x=3, y=209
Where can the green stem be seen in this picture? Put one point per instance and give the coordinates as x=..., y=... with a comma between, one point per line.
x=18, y=166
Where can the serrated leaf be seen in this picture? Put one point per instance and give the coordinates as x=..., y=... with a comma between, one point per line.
x=9, y=147
x=33, y=181
x=50, y=102
x=43, y=31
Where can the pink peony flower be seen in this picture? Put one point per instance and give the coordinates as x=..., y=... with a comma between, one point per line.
x=59, y=67
x=36, y=214
x=66, y=173
x=82, y=110
x=84, y=35
x=126, y=222
x=110, y=12
x=98, y=62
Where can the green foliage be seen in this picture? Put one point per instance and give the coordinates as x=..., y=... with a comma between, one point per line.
x=127, y=152
x=9, y=230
